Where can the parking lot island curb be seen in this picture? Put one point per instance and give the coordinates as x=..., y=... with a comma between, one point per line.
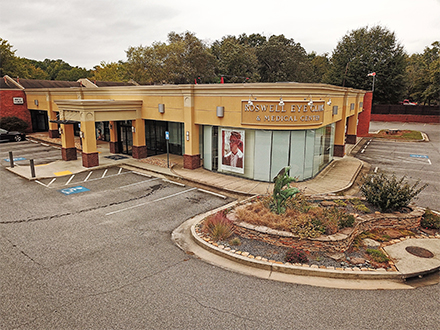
x=187, y=238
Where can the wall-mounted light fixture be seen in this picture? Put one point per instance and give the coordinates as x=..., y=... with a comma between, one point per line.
x=161, y=108
x=36, y=102
x=187, y=135
x=220, y=112
x=310, y=102
x=81, y=134
x=335, y=110
x=329, y=102
x=250, y=100
x=133, y=129
x=110, y=126
x=60, y=130
x=281, y=102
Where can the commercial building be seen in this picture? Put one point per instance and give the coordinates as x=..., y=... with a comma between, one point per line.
x=251, y=130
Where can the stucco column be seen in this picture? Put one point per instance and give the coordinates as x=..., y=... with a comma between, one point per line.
x=352, y=123
x=90, y=156
x=68, y=149
x=365, y=115
x=52, y=115
x=139, y=149
x=339, y=146
x=114, y=146
x=191, y=158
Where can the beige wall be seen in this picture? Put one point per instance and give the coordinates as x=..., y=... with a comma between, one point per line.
x=206, y=98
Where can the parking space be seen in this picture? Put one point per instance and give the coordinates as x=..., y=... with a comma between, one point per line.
x=415, y=160
x=22, y=152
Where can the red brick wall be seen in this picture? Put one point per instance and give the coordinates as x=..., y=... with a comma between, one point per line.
x=365, y=116
x=8, y=108
x=406, y=118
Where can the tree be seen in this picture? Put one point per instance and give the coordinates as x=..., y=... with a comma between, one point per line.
x=367, y=50
x=282, y=59
x=236, y=61
x=183, y=60
x=8, y=61
x=319, y=66
x=113, y=71
x=73, y=74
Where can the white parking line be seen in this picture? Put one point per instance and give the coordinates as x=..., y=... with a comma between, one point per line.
x=53, y=180
x=103, y=174
x=212, y=193
x=70, y=179
x=40, y=183
x=88, y=176
x=157, y=200
x=120, y=170
x=136, y=183
x=176, y=183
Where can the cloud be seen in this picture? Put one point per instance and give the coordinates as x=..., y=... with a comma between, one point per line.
x=86, y=32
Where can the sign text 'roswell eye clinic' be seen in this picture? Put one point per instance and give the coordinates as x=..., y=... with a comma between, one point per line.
x=289, y=113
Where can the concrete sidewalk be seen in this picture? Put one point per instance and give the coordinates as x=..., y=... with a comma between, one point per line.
x=337, y=176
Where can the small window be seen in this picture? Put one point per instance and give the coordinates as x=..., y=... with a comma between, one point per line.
x=335, y=110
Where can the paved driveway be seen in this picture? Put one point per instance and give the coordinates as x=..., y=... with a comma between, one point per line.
x=415, y=160
x=103, y=258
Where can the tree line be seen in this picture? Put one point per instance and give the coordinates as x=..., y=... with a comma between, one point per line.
x=185, y=59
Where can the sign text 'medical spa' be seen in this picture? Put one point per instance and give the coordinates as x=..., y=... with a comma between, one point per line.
x=289, y=113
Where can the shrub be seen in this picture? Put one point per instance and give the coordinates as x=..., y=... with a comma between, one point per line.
x=359, y=205
x=377, y=255
x=389, y=193
x=340, y=202
x=347, y=220
x=294, y=255
x=218, y=226
x=430, y=220
x=282, y=191
x=13, y=124
x=235, y=241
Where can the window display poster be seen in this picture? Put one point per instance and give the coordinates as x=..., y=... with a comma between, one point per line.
x=232, y=146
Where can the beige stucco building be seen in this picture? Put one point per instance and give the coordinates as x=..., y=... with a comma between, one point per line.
x=249, y=130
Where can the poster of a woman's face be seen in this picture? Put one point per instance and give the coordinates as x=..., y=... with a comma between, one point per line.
x=232, y=150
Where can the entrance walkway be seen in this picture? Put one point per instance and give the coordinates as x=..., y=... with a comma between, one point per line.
x=338, y=176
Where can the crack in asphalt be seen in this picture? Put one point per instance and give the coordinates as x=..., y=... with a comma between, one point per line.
x=153, y=189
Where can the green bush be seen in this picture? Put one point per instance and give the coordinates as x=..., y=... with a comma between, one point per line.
x=218, y=226
x=13, y=124
x=430, y=220
x=282, y=191
x=294, y=255
x=388, y=192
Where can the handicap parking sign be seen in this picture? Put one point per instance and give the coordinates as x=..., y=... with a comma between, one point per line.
x=74, y=190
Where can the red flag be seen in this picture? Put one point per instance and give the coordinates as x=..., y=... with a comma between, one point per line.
x=371, y=74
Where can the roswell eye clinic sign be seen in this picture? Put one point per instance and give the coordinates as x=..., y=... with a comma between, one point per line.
x=291, y=113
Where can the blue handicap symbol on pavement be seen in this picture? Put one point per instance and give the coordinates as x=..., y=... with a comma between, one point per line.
x=15, y=159
x=418, y=156
x=73, y=190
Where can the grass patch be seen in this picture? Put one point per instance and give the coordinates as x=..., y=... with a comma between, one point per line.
x=377, y=255
x=399, y=135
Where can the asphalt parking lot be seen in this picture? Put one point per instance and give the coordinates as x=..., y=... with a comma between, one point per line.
x=24, y=151
x=102, y=258
x=415, y=160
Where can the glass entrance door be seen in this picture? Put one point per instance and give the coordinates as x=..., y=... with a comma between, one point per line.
x=125, y=137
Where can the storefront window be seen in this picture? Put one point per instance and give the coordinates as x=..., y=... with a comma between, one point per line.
x=266, y=152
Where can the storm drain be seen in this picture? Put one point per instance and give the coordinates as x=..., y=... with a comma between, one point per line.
x=419, y=252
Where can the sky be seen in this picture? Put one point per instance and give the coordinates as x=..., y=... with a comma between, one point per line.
x=86, y=32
